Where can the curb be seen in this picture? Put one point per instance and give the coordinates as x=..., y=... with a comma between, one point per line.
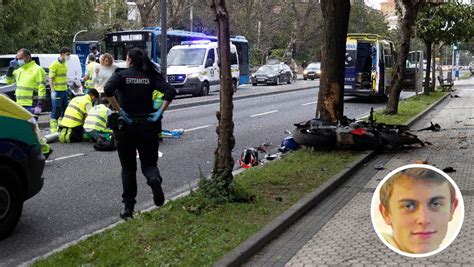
x=256, y=242
x=45, y=124
x=252, y=245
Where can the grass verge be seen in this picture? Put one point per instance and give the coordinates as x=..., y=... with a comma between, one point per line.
x=409, y=108
x=182, y=233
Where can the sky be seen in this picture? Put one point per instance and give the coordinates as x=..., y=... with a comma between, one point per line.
x=374, y=3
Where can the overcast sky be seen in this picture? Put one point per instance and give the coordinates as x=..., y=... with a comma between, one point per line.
x=374, y=3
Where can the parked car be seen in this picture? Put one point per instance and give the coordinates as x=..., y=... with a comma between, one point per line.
x=272, y=74
x=471, y=67
x=74, y=73
x=21, y=162
x=313, y=71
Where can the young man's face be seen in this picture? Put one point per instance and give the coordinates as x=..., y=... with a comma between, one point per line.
x=419, y=212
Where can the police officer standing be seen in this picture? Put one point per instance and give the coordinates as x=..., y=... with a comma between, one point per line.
x=134, y=88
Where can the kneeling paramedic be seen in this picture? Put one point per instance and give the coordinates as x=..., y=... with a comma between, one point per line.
x=71, y=128
x=138, y=124
x=95, y=125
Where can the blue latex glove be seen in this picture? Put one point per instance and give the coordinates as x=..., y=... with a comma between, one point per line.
x=126, y=118
x=152, y=117
x=14, y=63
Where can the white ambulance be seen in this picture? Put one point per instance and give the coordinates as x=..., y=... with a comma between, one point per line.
x=192, y=67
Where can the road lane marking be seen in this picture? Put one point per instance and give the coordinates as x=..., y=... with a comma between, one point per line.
x=66, y=157
x=310, y=103
x=197, y=128
x=264, y=113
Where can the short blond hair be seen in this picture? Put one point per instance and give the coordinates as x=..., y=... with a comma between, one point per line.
x=418, y=174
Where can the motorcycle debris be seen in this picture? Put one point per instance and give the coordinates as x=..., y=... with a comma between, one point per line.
x=421, y=161
x=271, y=157
x=379, y=167
x=449, y=169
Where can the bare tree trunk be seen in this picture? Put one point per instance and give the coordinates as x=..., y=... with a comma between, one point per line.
x=223, y=162
x=433, y=70
x=330, y=105
x=441, y=59
x=428, y=67
x=409, y=10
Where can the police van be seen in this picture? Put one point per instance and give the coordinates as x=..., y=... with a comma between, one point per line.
x=192, y=67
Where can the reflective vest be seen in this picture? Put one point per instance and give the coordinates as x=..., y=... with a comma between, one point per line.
x=58, y=74
x=28, y=78
x=76, y=111
x=97, y=119
x=90, y=70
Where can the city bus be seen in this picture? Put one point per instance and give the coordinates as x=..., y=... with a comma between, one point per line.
x=369, y=65
x=148, y=39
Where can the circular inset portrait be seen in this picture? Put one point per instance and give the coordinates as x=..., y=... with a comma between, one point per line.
x=417, y=210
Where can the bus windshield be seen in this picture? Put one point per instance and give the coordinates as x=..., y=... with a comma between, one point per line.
x=119, y=50
x=186, y=57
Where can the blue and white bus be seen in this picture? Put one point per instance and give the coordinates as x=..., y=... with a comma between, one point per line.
x=148, y=39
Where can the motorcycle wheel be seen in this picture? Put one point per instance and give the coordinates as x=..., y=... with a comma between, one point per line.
x=324, y=138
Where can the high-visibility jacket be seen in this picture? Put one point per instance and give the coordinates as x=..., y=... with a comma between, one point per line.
x=76, y=111
x=58, y=75
x=97, y=119
x=90, y=70
x=28, y=78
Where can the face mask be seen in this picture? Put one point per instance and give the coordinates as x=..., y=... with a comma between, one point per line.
x=68, y=58
x=21, y=62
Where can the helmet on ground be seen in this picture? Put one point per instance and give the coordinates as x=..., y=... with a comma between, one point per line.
x=249, y=158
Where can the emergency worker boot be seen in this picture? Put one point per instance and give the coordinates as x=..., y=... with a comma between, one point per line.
x=127, y=212
x=158, y=196
x=53, y=126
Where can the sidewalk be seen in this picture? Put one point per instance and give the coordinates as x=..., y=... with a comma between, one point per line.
x=339, y=231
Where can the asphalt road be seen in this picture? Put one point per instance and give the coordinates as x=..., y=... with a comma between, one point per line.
x=82, y=190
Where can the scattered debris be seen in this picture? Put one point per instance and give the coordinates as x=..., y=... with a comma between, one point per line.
x=324, y=169
x=421, y=161
x=279, y=199
x=457, y=121
x=271, y=157
x=433, y=127
x=455, y=96
x=449, y=169
x=379, y=167
x=428, y=143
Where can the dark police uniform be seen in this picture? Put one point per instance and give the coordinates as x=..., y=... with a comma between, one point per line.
x=134, y=89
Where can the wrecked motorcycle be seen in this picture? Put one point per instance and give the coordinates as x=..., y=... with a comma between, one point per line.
x=354, y=134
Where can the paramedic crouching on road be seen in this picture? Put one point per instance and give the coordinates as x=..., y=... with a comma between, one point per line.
x=141, y=124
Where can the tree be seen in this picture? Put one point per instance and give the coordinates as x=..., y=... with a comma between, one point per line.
x=223, y=161
x=447, y=24
x=373, y=20
x=409, y=10
x=330, y=105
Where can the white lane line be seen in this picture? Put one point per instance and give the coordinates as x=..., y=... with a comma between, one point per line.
x=66, y=157
x=197, y=128
x=310, y=103
x=264, y=113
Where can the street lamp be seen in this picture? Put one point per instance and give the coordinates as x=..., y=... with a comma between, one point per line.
x=74, y=40
x=75, y=35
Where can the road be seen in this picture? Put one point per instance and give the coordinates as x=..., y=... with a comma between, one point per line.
x=82, y=190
